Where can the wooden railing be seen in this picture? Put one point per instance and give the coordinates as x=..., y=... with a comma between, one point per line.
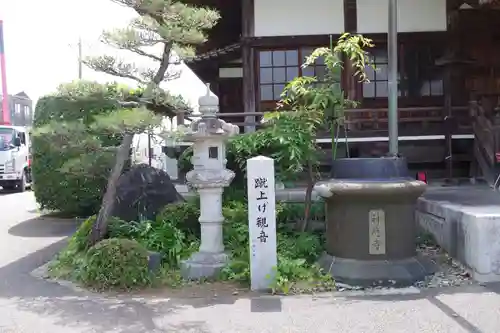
x=486, y=126
x=374, y=122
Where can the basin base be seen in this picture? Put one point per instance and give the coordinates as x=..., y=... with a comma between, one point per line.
x=369, y=273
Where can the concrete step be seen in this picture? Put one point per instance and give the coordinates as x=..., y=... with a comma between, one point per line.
x=465, y=221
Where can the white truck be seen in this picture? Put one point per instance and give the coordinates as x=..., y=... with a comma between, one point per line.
x=15, y=158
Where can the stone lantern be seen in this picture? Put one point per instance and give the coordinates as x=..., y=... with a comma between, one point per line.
x=208, y=178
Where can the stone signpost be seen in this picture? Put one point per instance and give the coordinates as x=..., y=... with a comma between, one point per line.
x=262, y=221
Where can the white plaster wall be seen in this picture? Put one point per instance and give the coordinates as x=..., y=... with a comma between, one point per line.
x=296, y=17
x=413, y=15
x=230, y=72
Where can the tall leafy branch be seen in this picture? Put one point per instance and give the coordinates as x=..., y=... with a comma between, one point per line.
x=161, y=27
x=321, y=103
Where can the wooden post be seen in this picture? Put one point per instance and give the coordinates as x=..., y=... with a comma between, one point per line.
x=448, y=121
x=351, y=26
x=248, y=59
x=350, y=83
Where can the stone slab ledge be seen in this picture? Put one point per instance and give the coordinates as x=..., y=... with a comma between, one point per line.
x=468, y=233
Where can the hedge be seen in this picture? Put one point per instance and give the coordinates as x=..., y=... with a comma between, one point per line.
x=76, y=192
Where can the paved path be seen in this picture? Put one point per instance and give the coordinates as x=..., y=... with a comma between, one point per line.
x=31, y=305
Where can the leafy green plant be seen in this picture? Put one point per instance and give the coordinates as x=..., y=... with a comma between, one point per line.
x=321, y=104
x=116, y=264
x=297, y=251
x=161, y=237
x=326, y=97
x=173, y=234
x=79, y=240
x=294, y=212
x=295, y=275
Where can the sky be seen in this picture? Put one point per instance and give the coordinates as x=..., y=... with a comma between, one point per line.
x=41, y=43
x=41, y=38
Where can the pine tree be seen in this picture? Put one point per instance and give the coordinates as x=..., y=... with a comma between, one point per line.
x=163, y=26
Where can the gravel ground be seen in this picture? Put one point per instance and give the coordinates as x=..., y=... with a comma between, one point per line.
x=450, y=273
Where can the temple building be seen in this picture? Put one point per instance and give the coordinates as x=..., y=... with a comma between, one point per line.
x=448, y=72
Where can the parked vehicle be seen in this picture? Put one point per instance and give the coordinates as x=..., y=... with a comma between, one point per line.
x=15, y=158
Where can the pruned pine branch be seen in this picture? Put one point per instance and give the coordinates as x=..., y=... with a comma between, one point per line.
x=94, y=90
x=169, y=21
x=126, y=121
x=133, y=40
x=69, y=137
x=177, y=15
x=176, y=25
x=90, y=165
x=116, y=67
x=160, y=97
x=64, y=134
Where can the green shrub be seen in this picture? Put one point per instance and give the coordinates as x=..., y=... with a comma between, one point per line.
x=183, y=215
x=116, y=263
x=62, y=135
x=174, y=234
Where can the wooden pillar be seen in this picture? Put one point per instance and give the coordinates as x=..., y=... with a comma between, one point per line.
x=350, y=25
x=248, y=59
x=453, y=57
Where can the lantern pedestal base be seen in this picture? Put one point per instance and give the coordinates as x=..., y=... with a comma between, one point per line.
x=203, y=265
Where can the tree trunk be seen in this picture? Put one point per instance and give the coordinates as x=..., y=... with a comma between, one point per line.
x=99, y=229
x=308, y=199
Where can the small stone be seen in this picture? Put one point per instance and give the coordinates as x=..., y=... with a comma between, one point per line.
x=235, y=293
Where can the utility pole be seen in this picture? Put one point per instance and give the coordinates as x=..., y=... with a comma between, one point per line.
x=80, y=59
x=5, y=116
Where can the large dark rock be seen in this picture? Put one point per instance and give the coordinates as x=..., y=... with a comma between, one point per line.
x=142, y=192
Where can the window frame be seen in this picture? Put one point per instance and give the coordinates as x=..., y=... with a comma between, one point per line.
x=413, y=40
x=302, y=51
x=376, y=72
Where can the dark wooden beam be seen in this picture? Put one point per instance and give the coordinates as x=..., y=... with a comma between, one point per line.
x=350, y=16
x=248, y=18
x=248, y=62
x=350, y=25
x=276, y=42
